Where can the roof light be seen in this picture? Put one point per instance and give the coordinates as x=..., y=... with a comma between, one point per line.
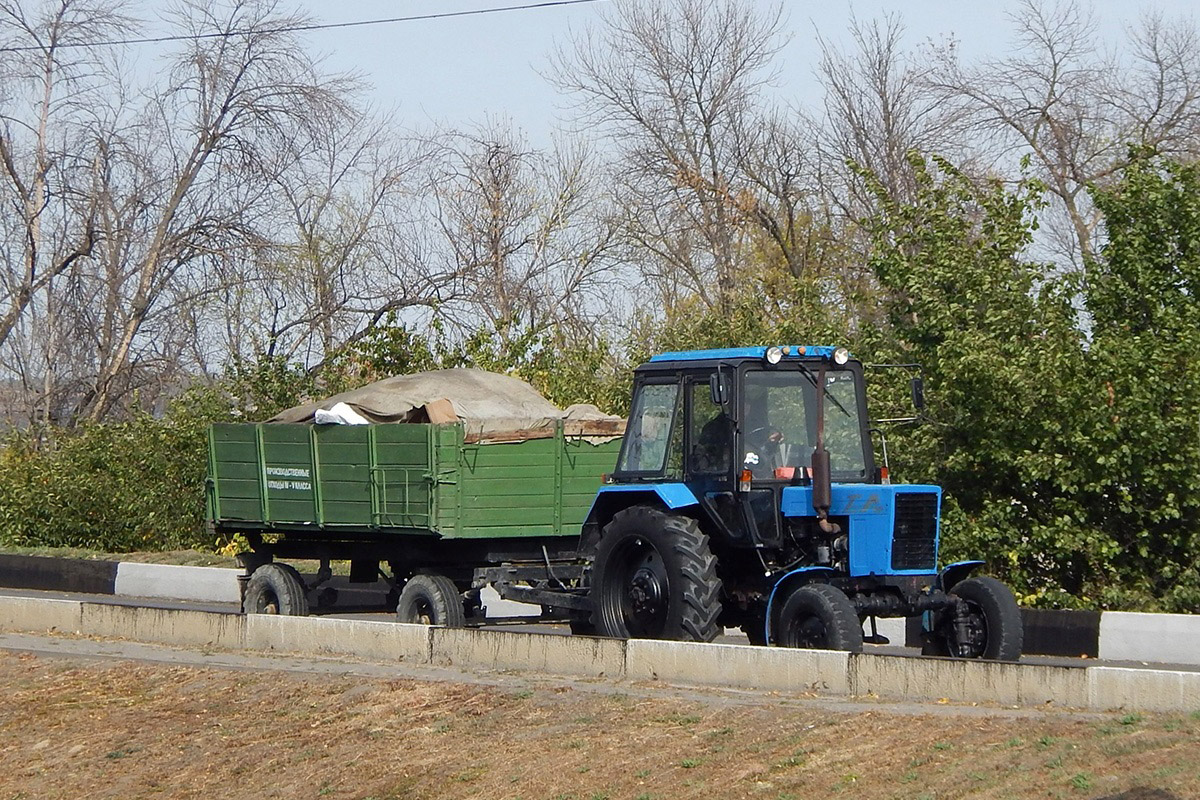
x=774, y=354
x=841, y=356
x=787, y=349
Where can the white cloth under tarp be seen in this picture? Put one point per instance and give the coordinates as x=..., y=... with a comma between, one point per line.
x=490, y=406
x=339, y=414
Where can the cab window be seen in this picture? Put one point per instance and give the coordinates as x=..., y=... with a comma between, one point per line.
x=648, y=434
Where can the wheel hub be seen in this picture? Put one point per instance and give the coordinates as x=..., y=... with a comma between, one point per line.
x=645, y=591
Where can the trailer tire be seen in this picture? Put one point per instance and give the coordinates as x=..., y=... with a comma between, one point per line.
x=655, y=577
x=995, y=615
x=431, y=600
x=276, y=589
x=821, y=617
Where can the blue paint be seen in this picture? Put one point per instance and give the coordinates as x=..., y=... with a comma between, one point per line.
x=810, y=351
x=775, y=589
x=673, y=495
x=871, y=509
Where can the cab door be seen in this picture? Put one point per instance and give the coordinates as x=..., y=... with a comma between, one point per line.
x=709, y=458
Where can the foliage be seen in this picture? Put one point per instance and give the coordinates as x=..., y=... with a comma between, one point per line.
x=1064, y=410
x=136, y=484
x=1068, y=463
x=1144, y=433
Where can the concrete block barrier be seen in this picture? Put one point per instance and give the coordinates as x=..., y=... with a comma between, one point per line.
x=200, y=584
x=740, y=666
x=57, y=574
x=732, y=666
x=1112, y=688
x=36, y=614
x=1156, y=638
x=382, y=641
x=163, y=625
x=899, y=678
x=540, y=652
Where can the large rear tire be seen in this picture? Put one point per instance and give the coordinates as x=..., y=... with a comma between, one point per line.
x=655, y=577
x=276, y=589
x=820, y=617
x=431, y=600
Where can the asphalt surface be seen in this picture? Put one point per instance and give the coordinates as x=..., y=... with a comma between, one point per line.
x=378, y=614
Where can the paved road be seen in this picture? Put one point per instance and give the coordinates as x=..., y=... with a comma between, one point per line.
x=731, y=636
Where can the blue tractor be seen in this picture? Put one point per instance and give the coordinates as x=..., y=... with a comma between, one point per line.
x=746, y=495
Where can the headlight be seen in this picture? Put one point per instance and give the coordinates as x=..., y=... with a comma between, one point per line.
x=841, y=356
x=773, y=355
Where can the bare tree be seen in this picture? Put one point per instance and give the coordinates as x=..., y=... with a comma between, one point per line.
x=52, y=128
x=878, y=109
x=340, y=268
x=525, y=231
x=674, y=85
x=1075, y=106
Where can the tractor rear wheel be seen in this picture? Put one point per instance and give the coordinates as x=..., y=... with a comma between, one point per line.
x=431, y=599
x=655, y=577
x=276, y=589
x=820, y=617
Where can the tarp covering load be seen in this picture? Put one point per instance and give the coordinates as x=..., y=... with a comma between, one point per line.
x=491, y=407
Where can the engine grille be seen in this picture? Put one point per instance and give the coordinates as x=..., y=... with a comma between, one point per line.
x=914, y=536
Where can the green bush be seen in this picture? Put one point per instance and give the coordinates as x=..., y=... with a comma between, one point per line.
x=135, y=485
x=132, y=485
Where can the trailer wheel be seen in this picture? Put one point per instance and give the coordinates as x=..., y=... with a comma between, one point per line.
x=431, y=600
x=821, y=617
x=655, y=577
x=995, y=628
x=276, y=589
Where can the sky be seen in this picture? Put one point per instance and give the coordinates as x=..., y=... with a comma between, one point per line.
x=461, y=70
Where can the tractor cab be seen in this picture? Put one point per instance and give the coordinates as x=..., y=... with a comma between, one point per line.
x=740, y=428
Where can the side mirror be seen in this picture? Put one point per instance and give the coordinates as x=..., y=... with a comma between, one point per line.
x=918, y=393
x=718, y=389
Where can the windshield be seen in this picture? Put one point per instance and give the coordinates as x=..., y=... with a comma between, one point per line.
x=779, y=422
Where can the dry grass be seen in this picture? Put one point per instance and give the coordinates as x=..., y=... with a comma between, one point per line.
x=75, y=729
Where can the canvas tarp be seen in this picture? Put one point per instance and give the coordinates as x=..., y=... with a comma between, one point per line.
x=492, y=407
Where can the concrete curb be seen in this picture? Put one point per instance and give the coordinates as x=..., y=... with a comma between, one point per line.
x=538, y=652
x=34, y=614
x=744, y=666
x=199, y=584
x=317, y=636
x=968, y=681
x=1156, y=638
x=826, y=673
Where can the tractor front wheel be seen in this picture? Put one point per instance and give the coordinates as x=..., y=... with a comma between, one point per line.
x=992, y=627
x=820, y=617
x=655, y=577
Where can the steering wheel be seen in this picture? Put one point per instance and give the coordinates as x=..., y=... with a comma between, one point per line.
x=764, y=434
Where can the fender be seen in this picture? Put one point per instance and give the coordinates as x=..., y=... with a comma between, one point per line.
x=611, y=499
x=788, y=578
x=672, y=495
x=953, y=573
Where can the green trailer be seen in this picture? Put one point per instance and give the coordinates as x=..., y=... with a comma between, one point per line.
x=431, y=501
